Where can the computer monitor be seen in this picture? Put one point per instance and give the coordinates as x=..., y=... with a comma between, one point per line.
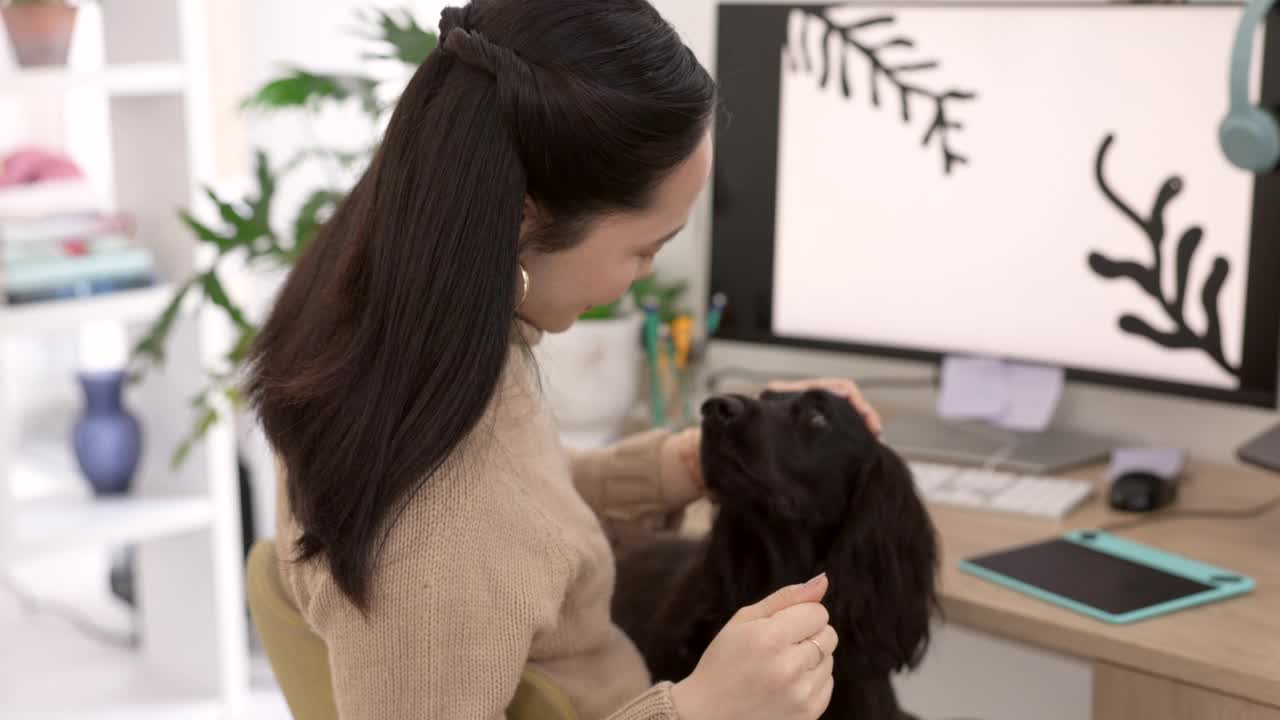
x=1030, y=181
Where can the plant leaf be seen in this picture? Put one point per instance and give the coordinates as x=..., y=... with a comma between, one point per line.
x=224, y=243
x=675, y=290
x=151, y=346
x=309, y=220
x=300, y=88
x=409, y=42
x=256, y=235
x=213, y=290
x=1186, y=249
x=243, y=344
x=248, y=228
x=601, y=312
x=236, y=397
x=261, y=205
x=226, y=210
x=1175, y=340
x=296, y=88
x=200, y=401
x=204, y=423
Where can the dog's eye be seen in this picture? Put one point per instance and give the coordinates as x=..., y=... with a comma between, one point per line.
x=817, y=421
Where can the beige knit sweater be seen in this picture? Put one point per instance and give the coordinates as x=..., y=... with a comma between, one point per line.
x=497, y=562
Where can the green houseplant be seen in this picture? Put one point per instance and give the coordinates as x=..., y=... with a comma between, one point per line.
x=668, y=297
x=248, y=230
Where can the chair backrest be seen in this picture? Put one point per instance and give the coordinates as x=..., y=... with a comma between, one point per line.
x=300, y=659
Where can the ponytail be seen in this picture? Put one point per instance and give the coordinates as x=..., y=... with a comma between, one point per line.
x=388, y=340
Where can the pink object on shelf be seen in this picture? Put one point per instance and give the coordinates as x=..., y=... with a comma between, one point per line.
x=33, y=165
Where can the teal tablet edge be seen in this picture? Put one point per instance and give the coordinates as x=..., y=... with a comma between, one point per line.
x=1224, y=583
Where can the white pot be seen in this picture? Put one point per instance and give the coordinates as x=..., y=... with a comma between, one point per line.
x=591, y=376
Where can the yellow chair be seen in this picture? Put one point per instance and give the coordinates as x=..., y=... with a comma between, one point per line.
x=300, y=660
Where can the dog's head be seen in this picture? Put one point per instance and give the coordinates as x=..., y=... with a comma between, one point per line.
x=804, y=471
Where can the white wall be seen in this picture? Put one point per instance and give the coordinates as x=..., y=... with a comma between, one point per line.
x=1210, y=430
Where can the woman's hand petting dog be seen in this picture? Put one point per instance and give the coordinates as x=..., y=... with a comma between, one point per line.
x=771, y=661
x=682, y=468
x=844, y=388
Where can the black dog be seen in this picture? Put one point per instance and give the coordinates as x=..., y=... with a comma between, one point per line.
x=803, y=487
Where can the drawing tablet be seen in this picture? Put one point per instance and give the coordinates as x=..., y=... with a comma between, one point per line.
x=1106, y=577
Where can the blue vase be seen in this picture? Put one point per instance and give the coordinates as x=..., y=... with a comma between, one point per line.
x=108, y=440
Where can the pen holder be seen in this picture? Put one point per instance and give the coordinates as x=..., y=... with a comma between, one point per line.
x=674, y=402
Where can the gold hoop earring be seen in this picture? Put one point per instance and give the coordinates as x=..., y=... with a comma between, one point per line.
x=524, y=285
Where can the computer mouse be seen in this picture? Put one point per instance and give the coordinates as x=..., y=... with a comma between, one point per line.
x=1142, y=492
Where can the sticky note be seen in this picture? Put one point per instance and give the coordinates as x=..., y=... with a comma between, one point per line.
x=972, y=388
x=1033, y=392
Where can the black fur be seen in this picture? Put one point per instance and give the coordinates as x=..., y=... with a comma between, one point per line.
x=802, y=487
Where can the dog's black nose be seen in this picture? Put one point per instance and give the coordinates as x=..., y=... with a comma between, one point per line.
x=725, y=409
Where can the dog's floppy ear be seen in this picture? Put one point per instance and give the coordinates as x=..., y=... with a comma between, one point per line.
x=882, y=567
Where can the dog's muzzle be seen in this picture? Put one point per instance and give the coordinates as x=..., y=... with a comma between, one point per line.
x=724, y=409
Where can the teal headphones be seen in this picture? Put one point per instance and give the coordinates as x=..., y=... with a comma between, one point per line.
x=1249, y=135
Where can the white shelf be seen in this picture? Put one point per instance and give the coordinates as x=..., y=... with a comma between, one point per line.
x=129, y=79
x=146, y=156
x=45, y=526
x=62, y=315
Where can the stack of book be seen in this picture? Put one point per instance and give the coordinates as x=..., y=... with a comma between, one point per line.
x=56, y=245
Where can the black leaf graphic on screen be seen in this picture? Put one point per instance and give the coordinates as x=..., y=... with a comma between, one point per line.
x=830, y=62
x=1151, y=277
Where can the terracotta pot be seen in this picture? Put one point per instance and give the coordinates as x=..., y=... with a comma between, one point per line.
x=40, y=33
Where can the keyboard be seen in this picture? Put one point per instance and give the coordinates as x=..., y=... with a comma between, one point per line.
x=983, y=489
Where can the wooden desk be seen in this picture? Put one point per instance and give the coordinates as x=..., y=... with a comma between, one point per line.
x=1220, y=660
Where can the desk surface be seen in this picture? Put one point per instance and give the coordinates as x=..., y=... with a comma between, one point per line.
x=1231, y=646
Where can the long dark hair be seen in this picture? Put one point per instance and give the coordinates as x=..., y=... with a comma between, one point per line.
x=387, y=342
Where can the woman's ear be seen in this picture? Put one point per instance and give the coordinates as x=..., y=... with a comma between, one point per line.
x=882, y=569
x=530, y=218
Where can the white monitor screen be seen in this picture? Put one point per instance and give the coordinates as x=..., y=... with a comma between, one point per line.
x=1037, y=182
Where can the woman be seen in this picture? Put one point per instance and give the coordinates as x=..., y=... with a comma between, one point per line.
x=439, y=538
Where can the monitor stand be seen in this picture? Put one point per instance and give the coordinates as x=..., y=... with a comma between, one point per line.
x=1263, y=449
x=930, y=438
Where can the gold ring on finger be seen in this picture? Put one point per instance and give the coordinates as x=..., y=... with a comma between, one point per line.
x=822, y=654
